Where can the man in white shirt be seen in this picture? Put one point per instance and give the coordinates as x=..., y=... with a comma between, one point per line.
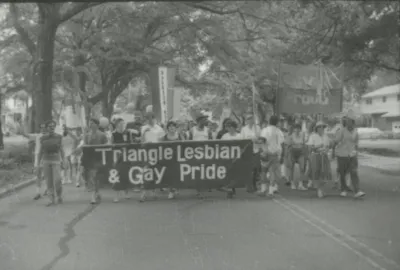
x=151, y=133
x=251, y=131
x=274, y=140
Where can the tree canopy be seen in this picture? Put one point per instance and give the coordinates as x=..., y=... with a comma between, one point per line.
x=221, y=48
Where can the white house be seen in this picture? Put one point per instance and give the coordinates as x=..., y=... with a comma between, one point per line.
x=383, y=106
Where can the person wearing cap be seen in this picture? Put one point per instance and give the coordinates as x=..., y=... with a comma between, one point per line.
x=274, y=139
x=346, y=151
x=251, y=131
x=320, y=167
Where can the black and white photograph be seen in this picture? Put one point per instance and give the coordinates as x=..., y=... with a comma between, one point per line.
x=200, y=135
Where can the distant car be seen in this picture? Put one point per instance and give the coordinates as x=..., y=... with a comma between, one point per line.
x=370, y=133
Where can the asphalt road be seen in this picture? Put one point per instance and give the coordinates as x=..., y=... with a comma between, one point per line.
x=293, y=231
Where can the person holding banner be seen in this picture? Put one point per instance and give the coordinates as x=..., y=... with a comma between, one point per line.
x=320, y=166
x=51, y=156
x=120, y=136
x=200, y=133
x=172, y=135
x=151, y=133
x=93, y=137
x=232, y=134
x=251, y=131
x=271, y=157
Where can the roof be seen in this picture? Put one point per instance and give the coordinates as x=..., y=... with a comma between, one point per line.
x=387, y=90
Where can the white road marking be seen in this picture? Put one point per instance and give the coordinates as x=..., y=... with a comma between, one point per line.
x=328, y=234
x=342, y=233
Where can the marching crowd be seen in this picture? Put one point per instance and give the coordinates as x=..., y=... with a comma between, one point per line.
x=58, y=157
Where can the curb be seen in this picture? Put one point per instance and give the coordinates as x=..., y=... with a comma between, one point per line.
x=7, y=191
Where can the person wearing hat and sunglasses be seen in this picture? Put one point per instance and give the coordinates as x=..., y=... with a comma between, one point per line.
x=346, y=151
x=320, y=167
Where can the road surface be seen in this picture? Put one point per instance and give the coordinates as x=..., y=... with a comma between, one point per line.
x=293, y=231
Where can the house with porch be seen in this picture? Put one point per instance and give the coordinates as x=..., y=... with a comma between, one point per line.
x=383, y=108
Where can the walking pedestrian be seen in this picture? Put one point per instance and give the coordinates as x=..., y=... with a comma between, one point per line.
x=120, y=136
x=38, y=164
x=151, y=133
x=92, y=165
x=51, y=156
x=346, y=152
x=251, y=131
x=69, y=144
x=320, y=168
x=274, y=140
x=296, y=152
x=172, y=135
x=200, y=133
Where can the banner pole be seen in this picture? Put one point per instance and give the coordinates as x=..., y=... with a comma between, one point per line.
x=277, y=92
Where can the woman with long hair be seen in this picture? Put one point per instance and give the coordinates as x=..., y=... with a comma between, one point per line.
x=320, y=167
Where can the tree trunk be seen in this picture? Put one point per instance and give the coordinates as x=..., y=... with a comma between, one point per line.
x=108, y=106
x=43, y=71
x=1, y=127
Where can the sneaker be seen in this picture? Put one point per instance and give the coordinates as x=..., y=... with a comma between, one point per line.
x=78, y=184
x=293, y=186
x=302, y=187
x=37, y=197
x=171, y=195
x=142, y=197
x=320, y=193
x=51, y=203
x=343, y=194
x=359, y=194
x=116, y=200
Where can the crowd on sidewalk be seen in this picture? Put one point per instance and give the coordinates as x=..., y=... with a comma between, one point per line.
x=59, y=159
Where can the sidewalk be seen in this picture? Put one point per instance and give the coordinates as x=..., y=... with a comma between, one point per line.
x=389, y=164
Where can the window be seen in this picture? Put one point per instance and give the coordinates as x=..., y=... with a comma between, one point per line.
x=383, y=99
x=368, y=101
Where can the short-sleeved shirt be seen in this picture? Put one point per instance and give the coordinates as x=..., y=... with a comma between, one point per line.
x=317, y=141
x=154, y=134
x=275, y=139
x=50, y=145
x=228, y=136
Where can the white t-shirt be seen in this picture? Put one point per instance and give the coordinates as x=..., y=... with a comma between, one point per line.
x=317, y=141
x=68, y=144
x=200, y=135
x=154, y=134
x=228, y=136
x=274, y=137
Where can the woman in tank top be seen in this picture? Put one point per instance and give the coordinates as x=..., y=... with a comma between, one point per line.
x=296, y=151
x=69, y=144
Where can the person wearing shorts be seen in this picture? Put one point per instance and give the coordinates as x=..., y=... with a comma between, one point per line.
x=296, y=152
